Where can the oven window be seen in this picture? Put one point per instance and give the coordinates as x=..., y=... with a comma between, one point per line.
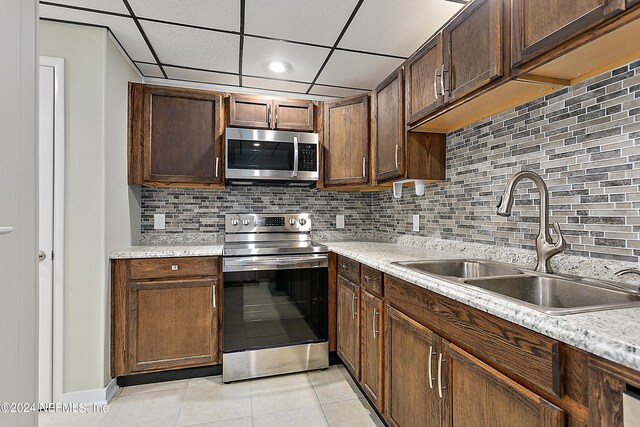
x=274, y=308
x=260, y=155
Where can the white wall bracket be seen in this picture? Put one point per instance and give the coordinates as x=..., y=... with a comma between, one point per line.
x=418, y=183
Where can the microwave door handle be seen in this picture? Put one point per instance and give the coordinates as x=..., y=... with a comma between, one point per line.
x=295, y=157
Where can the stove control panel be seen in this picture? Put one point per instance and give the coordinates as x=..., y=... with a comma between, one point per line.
x=267, y=223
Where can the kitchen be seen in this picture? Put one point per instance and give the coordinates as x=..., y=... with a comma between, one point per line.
x=278, y=213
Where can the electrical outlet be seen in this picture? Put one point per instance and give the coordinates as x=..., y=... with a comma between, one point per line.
x=339, y=221
x=416, y=223
x=158, y=222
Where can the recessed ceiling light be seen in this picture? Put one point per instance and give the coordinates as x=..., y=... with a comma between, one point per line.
x=278, y=67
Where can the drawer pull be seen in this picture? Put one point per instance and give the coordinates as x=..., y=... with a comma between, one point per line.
x=440, y=387
x=174, y=268
x=367, y=278
x=431, y=354
x=375, y=315
x=345, y=267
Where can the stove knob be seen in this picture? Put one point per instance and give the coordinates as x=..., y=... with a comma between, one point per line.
x=303, y=221
x=292, y=222
x=246, y=221
x=234, y=222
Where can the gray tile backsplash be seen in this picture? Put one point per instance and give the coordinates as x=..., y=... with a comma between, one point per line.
x=584, y=140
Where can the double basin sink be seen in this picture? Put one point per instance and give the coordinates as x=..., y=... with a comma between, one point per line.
x=550, y=293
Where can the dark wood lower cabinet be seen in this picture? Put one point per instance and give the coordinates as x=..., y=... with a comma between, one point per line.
x=372, y=331
x=479, y=395
x=410, y=394
x=348, y=324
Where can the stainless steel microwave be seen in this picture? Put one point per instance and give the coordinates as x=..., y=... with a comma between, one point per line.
x=271, y=157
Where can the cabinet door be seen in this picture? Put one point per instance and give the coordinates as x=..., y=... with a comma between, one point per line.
x=473, y=48
x=410, y=394
x=423, y=80
x=346, y=141
x=293, y=115
x=372, y=368
x=540, y=25
x=388, y=127
x=481, y=396
x=250, y=111
x=182, y=136
x=173, y=324
x=348, y=313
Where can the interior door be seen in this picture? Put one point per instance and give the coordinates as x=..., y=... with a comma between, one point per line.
x=45, y=232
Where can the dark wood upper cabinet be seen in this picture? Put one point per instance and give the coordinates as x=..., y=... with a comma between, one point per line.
x=346, y=141
x=371, y=368
x=473, y=53
x=250, y=111
x=348, y=324
x=410, y=394
x=175, y=137
x=267, y=113
x=478, y=395
x=294, y=115
x=423, y=81
x=538, y=26
x=387, y=131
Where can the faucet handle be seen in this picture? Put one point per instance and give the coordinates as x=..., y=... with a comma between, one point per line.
x=561, y=243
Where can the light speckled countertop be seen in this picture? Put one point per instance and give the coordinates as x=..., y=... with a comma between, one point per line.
x=611, y=334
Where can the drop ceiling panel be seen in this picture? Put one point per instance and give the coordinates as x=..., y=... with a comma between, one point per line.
x=116, y=6
x=201, y=76
x=219, y=14
x=124, y=29
x=275, y=85
x=318, y=22
x=357, y=70
x=149, y=70
x=335, y=92
x=195, y=48
x=405, y=27
x=304, y=61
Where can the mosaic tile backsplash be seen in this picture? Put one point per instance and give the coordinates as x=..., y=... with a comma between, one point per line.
x=584, y=140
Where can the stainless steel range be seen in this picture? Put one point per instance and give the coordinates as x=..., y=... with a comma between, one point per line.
x=274, y=296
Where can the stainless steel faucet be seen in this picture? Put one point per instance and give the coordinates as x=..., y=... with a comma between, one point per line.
x=545, y=247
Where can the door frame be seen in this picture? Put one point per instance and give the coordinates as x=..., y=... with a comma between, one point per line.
x=57, y=295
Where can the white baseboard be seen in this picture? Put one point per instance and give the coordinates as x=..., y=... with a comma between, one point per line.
x=99, y=396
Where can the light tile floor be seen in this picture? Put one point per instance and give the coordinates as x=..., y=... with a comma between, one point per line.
x=319, y=398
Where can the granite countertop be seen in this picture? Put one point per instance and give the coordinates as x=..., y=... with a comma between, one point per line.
x=611, y=334
x=166, y=251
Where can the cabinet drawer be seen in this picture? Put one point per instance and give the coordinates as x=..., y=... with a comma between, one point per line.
x=371, y=280
x=349, y=269
x=160, y=268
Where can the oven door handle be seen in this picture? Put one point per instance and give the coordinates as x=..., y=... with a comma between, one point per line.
x=274, y=263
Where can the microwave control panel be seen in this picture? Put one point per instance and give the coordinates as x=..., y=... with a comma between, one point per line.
x=307, y=157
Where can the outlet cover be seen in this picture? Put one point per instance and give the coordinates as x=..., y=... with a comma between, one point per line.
x=416, y=223
x=339, y=221
x=158, y=222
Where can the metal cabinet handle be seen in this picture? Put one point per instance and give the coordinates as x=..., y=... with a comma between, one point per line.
x=431, y=354
x=442, y=86
x=364, y=167
x=174, y=268
x=217, y=166
x=42, y=256
x=375, y=315
x=345, y=267
x=269, y=116
x=353, y=306
x=440, y=387
x=435, y=83
x=214, y=296
x=275, y=124
x=367, y=278
x=397, y=155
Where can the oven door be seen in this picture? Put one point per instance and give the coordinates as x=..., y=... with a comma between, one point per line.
x=274, y=301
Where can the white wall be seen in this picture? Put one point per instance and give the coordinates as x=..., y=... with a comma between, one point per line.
x=18, y=208
x=97, y=213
